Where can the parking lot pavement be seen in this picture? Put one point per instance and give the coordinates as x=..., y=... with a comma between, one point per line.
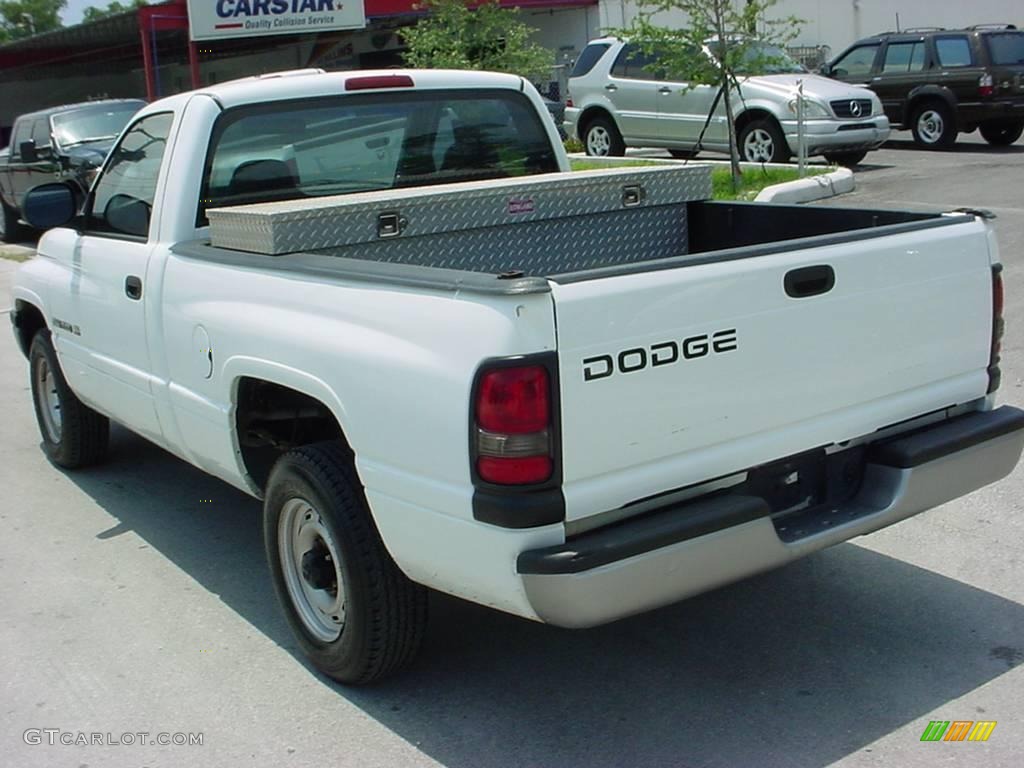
x=135, y=598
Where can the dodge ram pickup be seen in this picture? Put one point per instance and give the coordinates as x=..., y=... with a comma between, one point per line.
x=67, y=143
x=381, y=303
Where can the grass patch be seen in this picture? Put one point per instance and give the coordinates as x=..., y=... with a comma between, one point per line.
x=754, y=179
x=16, y=253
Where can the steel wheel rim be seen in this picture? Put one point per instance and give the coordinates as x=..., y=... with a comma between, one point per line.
x=759, y=147
x=599, y=142
x=311, y=566
x=930, y=126
x=49, y=400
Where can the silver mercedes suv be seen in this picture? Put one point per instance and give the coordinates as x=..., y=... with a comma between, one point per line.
x=617, y=99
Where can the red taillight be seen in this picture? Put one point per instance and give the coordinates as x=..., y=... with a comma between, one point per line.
x=568, y=102
x=378, y=81
x=998, y=325
x=986, y=85
x=513, y=421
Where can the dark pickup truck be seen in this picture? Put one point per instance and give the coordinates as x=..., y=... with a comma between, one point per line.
x=67, y=143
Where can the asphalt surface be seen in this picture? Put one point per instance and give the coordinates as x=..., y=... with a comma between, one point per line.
x=134, y=598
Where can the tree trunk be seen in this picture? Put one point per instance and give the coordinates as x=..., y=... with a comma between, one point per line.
x=720, y=10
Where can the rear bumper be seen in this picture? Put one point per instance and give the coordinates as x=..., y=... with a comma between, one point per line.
x=976, y=113
x=681, y=551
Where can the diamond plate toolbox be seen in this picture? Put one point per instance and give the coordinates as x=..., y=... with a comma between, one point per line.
x=320, y=223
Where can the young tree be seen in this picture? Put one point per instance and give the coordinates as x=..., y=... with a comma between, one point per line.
x=738, y=38
x=488, y=37
x=24, y=18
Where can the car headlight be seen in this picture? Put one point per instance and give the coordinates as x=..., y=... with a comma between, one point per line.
x=812, y=109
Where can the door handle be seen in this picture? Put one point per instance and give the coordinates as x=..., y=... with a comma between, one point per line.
x=133, y=287
x=611, y=87
x=664, y=89
x=809, y=281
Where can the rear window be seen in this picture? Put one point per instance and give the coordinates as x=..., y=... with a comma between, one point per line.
x=340, y=145
x=590, y=56
x=1006, y=48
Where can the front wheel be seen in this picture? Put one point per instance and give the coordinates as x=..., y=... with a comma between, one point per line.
x=74, y=435
x=846, y=159
x=934, y=126
x=1002, y=134
x=761, y=141
x=602, y=139
x=356, y=616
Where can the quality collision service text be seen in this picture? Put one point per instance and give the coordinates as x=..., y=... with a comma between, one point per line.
x=252, y=14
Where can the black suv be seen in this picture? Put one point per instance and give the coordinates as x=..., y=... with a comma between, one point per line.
x=939, y=82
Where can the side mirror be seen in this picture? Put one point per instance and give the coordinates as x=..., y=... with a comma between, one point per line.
x=826, y=70
x=49, y=205
x=28, y=151
x=127, y=214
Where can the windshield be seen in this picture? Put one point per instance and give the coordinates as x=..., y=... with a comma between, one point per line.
x=1007, y=48
x=762, y=59
x=100, y=122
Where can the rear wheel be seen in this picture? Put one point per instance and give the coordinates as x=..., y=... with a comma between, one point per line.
x=602, y=139
x=934, y=126
x=356, y=616
x=1002, y=134
x=11, y=231
x=761, y=141
x=74, y=435
x=847, y=159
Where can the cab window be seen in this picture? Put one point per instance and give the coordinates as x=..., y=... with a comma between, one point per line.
x=122, y=202
x=904, y=57
x=857, y=63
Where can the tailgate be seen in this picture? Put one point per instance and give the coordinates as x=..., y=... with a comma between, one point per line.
x=677, y=376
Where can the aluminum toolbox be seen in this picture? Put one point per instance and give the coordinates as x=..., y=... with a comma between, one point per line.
x=545, y=224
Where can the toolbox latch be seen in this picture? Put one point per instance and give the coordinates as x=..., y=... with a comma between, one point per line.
x=390, y=224
x=632, y=195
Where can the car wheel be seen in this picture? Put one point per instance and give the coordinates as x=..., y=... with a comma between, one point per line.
x=11, y=231
x=847, y=159
x=355, y=615
x=1002, y=134
x=934, y=126
x=74, y=435
x=683, y=154
x=602, y=139
x=761, y=141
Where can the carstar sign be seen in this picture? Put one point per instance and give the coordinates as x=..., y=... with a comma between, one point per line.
x=218, y=19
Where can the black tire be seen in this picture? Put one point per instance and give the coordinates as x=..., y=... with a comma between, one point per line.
x=382, y=615
x=76, y=435
x=761, y=141
x=934, y=125
x=1002, y=134
x=601, y=138
x=846, y=159
x=11, y=231
x=684, y=154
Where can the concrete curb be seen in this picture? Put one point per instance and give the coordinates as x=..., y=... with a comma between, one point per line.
x=837, y=182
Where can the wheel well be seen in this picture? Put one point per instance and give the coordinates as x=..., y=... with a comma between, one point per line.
x=28, y=321
x=746, y=117
x=587, y=118
x=271, y=419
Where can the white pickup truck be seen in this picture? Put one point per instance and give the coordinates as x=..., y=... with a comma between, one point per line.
x=569, y=410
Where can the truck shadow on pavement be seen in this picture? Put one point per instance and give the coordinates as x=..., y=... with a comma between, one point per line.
x=799, y=667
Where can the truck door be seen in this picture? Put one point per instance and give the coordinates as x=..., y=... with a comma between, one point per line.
x=99, y=319
x=902, y=70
